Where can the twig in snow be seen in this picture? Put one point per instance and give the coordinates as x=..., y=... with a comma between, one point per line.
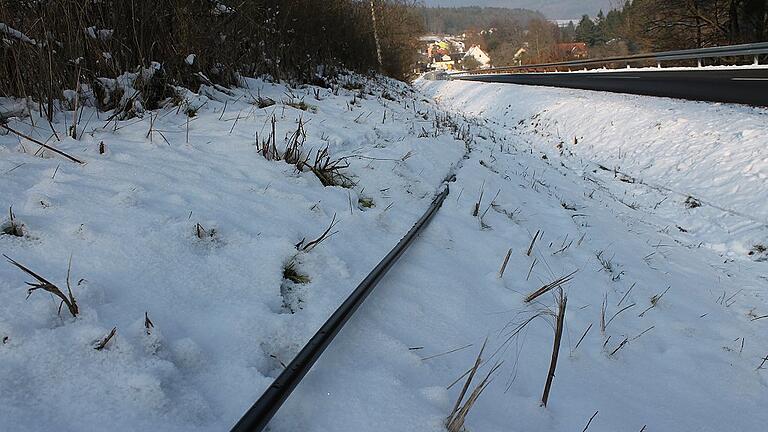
x=43, y=284
x=562, y=302
x=654, y=301
x=625, y=295
x=603, y=307
x=45, y=146
x=590, y=421
x=535, y=260
x=550, y=286
x=455, y=421
x=476, y=210
x=306, y=247
x=148, y=325
x=617, y=313
x=530, y=248
x=765, y=359
x=582, y=337
x=504, y=265
x=12, y=228
x=103, y=343
x=447, y=352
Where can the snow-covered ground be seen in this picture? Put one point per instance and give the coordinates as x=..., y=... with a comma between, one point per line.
x=602, y=178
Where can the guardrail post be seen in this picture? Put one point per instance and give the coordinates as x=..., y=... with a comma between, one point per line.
x=757, y=60
x=699, y=61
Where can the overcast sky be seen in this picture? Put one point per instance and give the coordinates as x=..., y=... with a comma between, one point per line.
x=554, y=9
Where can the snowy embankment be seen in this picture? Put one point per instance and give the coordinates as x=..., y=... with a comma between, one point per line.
x=185, y=219
x=659, y=332
x=714, y=153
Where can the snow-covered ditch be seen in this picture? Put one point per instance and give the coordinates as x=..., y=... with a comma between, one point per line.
x=661, y=332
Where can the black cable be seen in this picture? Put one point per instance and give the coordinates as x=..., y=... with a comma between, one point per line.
x=265, y=408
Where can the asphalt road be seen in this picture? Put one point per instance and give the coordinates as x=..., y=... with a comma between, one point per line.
x=745, y=86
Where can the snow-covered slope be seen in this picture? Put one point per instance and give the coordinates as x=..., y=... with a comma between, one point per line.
x=220, y=306
x=683, y=336
x=715, y=153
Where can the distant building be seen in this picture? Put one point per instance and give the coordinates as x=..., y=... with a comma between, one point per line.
x=441, y=52
x=480, y=56
x=573, y=50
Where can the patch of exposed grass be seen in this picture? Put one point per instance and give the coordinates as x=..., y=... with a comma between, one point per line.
x=292, y=274
x=366, y=203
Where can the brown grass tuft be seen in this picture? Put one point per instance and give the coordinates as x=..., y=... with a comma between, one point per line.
x=43, y=284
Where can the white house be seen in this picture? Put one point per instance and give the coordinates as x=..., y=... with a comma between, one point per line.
x=480, y=56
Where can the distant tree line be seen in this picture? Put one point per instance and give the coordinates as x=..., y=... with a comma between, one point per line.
x=639, y=26
x=47, y=46
x=657, y=25
x=459, y=20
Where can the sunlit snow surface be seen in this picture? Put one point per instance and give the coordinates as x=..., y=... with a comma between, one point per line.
x=221, y=332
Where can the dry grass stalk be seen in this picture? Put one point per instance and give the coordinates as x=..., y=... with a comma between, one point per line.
x=293, y=150
x=533, y=264
x=476, y=209
x=562, y=302
x=618, y=312
x=590, y=421
x=45, y=285
x=306, y=247
x=603, y=307
x=292, y=274
x=103, y=343
x=621, y=345
x=654, y=301
x=202, y=233
x=328, y=170
x=447, y=352
x=582, y=337
x=625, y=295
x=530, y=248
x=550, y=286
x=504, y=265
x=12, y=228
x=45, y=146
x=455, y=421
x=148, y=325
x=765, y=359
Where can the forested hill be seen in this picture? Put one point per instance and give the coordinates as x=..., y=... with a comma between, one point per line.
x=553, y=9
x=458, y=20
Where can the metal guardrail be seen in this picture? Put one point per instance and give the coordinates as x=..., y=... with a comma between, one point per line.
x=257, y=418
x=753, y=49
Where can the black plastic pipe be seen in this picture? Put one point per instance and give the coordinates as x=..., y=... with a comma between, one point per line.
x=265, y=408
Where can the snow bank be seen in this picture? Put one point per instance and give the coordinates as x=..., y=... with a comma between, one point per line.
x=714, y=153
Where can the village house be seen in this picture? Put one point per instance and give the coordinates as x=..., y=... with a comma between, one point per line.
x=573, y=50
x=478, y=57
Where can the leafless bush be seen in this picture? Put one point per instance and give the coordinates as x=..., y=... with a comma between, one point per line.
x=52, y=46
